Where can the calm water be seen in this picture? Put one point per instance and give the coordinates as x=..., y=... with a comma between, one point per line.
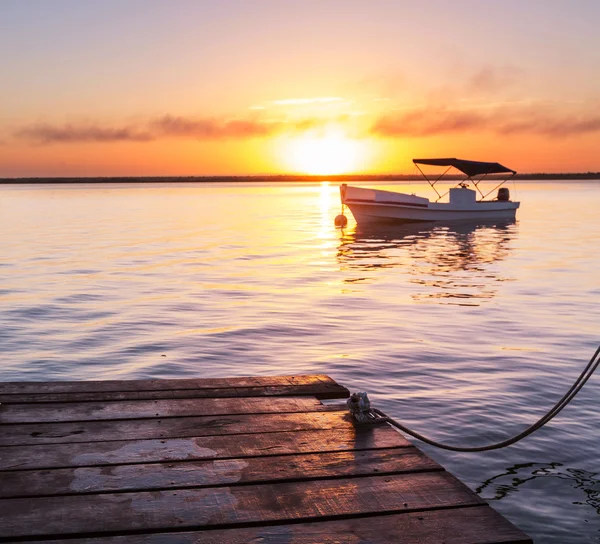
x=466, y=334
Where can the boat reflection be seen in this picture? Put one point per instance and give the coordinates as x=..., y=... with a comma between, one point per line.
x=509, y=482
x=445, y=263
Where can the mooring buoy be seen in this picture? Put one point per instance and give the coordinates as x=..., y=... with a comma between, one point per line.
x=341, y=220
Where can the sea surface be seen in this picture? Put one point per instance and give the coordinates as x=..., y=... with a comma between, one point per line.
x=465, y=333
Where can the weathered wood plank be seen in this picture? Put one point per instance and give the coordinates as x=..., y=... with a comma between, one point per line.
x=94, y=460
x=472, y=524
x=9, y=388
x=176, y=427
x=207, y=447
x=319, y=390
x=137, y=409
x=157, y=476
x=214, y=507
x=23, y=388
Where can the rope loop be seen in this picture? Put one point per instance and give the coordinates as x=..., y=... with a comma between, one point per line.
x=360, y=408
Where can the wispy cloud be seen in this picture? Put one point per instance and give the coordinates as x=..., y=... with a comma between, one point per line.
x=488, y=99
x=303, y=101
x=69, y=133
x=518, y=118
x=535, y=120
x=425, y=122
x=555, y=126
x=169, y=126
x=493, y=79
x=212, y=129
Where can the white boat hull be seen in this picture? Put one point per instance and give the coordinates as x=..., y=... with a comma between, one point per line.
x=375, y=206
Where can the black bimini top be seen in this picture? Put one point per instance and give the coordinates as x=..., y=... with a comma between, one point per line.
x=469, y=168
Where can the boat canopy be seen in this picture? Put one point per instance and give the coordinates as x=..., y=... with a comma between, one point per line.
x=469, y=168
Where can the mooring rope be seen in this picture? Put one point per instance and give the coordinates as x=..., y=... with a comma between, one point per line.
x=360, y=408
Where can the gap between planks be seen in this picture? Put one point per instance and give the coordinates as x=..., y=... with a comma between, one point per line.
x=48, y=456
x=197, y=474
x=151, y=409
x=320, y=391
x=478, y=524
x=175, y=427
x=229, y=493
x=317, y=381
x=231, y=506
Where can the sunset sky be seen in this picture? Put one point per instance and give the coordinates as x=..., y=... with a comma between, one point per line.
x=182, y=87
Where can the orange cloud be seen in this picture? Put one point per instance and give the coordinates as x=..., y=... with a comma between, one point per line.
x=426, y=122
x=303, y=101
x=502, y=119
x=46, y=133
x=536, y=120
x=169, y=126
x=184, y=127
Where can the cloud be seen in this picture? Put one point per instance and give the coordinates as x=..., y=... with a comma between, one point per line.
x=554, y=126
x=491, y=79
x=502, y=120
x=167, y=126
x=46, y=133
x=172, y=126
x=425, y=122
x=302, y=101
x=213, y=129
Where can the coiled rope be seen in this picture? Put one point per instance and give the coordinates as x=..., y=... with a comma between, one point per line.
x=360, y=408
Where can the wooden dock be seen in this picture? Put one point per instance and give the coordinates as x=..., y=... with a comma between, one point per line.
x=235, y=460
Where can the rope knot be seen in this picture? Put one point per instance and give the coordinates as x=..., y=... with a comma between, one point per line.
x=360, y=407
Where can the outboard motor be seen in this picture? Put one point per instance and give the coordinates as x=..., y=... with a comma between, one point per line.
x=503, y=194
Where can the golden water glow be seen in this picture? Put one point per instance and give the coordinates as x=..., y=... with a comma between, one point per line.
x=329, y=153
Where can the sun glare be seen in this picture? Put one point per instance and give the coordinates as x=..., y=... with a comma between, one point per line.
x=329, y=154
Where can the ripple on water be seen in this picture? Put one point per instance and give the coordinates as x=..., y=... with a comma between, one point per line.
x=468, y=333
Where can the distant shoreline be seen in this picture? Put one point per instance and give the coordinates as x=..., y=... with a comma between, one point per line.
x=278, y=178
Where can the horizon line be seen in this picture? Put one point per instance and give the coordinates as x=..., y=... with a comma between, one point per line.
x=283, y=177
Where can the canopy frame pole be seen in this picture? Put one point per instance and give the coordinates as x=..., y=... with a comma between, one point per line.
x=477, y=168
x=438, y=179
x=468, y=178
x=443, y=174
x=500, y=185
x=476, y=182
x=430, y=182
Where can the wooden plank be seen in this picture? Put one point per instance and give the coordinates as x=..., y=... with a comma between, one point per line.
x=23, y=388
x=149, y=459
x=137, y=409
x=227, y=506
x=207, y=447
x=144, y=477
x=175, y=427
x=479, y=524
x=137, y=385
x=319, y=390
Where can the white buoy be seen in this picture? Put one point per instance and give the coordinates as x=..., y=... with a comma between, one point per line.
x=341, y=221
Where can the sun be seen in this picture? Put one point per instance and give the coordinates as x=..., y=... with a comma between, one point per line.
x=327, y=154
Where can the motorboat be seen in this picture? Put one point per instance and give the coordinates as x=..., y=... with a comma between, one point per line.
x=464, y=204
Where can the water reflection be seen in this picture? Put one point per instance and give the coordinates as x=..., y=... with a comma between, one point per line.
x=450, y=264
x=509, y=482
